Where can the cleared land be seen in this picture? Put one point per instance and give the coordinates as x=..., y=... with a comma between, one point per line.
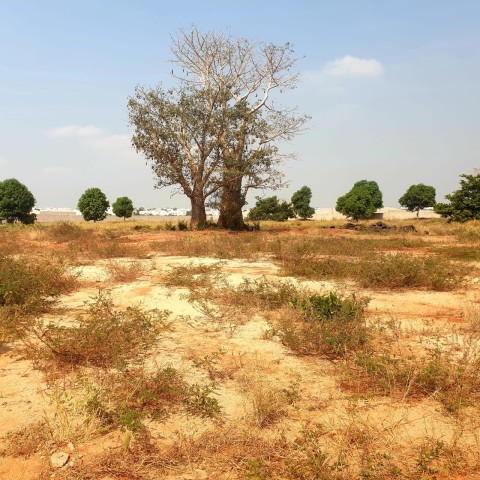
x=295, y=352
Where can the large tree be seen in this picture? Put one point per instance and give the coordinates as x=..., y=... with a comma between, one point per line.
x=16, y=202
x=215, y=133
x=418, y=197
x=465, y=202
x=175, y=130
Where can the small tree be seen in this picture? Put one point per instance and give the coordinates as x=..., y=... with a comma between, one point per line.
x=362, y=201
x=464, y=203
x=123, y=207
x=271, y=208
x=301, y=203
x=16, y=202
x=418, y=197
x=93, y=204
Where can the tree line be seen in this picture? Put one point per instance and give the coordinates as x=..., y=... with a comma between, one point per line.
x=360, y=202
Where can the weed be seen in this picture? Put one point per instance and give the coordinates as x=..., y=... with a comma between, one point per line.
x=183, y=225
x=29, y=287
x=124, y=272
x=192, y=276
x=210, y=364
x=27, y=441
x=199, y=401
x=400, y=271
x=258, y=293
x=104, y=337
x=130, y=420
x=269, y=402
x=67, y=232
x=381, y=271
x=125, y=398
x=329, y=325
x=453, y=382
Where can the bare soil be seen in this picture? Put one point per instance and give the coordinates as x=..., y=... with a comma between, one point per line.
x=250, y=359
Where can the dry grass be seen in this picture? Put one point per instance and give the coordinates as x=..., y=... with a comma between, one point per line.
x=104, y=336
x=109, y=380
x=125, y=272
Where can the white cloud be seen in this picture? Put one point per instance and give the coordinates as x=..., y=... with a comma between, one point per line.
x=56, y=170
x=353, y=66
x=75, y=131
x=3, y=160
x=96, y=139
x=110, y=142
x=117, y=146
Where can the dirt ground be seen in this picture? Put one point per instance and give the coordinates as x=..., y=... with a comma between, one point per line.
x=245, y=357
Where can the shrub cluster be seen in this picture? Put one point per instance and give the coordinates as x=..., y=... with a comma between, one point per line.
x=329, y=325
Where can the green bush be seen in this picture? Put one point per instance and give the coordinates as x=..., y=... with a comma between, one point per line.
x=271, y=208
x=330, y=325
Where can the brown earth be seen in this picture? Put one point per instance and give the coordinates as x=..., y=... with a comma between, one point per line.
x=250, y=359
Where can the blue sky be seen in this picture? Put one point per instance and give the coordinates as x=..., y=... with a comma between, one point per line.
x=392, y=88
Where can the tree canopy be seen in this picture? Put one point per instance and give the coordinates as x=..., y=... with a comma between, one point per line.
x=362, y=201
x=93, y=205
x=123, y=207
x=418, y=197
x=301, y=203
x=215, y=133
x=270, y=208
x=16, y=202
x=465, y=202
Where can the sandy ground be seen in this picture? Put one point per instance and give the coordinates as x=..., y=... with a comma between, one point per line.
x=248, y=354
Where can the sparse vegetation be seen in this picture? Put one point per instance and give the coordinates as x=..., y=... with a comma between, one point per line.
x=276, y=379
x=103, y=337
x=29, y=287
x=329, y=325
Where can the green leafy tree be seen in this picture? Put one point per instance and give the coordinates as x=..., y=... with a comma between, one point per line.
x=93, y=205
x=123, y=207
x=465, y=202
x=372, y=187
x=16, y=202
x=362, y=201
x=301, y=203
x=418, y=197
x=271, y=208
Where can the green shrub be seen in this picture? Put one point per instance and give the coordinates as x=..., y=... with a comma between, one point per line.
x=329, y=325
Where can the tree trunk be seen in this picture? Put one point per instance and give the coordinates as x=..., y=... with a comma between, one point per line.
x=231, y=204
x=199, y=216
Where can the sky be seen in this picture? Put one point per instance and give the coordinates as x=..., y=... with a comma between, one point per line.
x=392, y=89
